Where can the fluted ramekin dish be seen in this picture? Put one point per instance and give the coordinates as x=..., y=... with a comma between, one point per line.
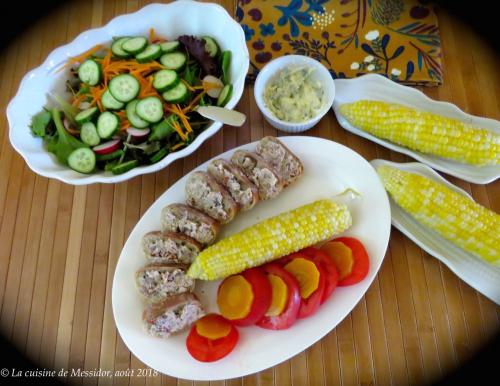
x=275, y=66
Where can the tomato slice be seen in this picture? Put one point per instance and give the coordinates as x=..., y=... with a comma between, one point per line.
x=291, y=311
x=310, y=305
x=329, y=268
x=361, y=261
x=210, y=350
x=262, y=296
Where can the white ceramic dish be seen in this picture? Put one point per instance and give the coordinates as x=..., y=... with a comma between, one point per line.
x=166, y=19
x=480, y=275
x=377, y=87
x=272, y=68
x=330, y=168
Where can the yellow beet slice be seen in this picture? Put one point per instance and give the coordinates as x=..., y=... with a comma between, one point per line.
x=341, y=255
x=213, y=327
x=235, y=297
x=279, y=297
x=306, y=273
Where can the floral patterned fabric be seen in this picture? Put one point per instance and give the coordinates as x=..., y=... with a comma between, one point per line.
x=396, y=38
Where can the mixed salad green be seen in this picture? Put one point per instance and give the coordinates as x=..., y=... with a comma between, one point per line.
x=135, y=102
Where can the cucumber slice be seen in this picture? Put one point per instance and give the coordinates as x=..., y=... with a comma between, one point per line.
x=167, y=47
x=135, y=45
x=109, y=102
x=174, y=60
x=107, y=124
x=124, y=167
x=159, y=155
x=82, y=160
x=165, y=80
x=88, y=134
x=89, y=72
x=178, y=94
x=124, y=87
x=150, y=109
x=85, y=115
x=116, y=47
x=226, y=63
x=151, y=52
x=225, y=95
x=133, y=118
x=211, y=46
x=110, y=156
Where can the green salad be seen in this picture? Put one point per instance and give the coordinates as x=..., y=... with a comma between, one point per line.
x=134, y=102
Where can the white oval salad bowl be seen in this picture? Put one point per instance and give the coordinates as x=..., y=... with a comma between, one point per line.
x=199, y=19
x=378, y=87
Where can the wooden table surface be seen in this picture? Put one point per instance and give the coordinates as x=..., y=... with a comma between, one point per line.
x=59, y=244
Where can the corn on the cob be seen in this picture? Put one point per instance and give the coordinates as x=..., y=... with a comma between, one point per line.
x=465, y=223
x=425, y=132
x=270, y=239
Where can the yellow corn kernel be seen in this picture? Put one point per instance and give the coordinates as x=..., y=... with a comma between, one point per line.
x=270, y=239
x=458, y=219
x=425, y=132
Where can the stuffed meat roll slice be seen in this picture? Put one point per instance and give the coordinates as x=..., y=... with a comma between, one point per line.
x=268, y=181
x=242, y=190
x=157, y=282
x=204, y=193
x=172, y=315
x=281, y=158
x=189, y=221
x=170, y=247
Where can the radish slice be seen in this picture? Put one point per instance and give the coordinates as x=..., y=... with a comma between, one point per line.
x=137, y=133
x=107, y=147
x=66, y=123
x=213, y=84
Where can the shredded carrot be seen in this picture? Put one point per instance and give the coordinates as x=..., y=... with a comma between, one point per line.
x=189, y=87
x=209, y=86
x=80, y=58
x=176, y=109
x=96, y=93
x=124, y=124
x=78, y=99
x=151, y=34
x=193, y=103
x=178, y=128
x=175, y=147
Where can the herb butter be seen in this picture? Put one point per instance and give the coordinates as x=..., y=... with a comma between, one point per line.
x=293, y=95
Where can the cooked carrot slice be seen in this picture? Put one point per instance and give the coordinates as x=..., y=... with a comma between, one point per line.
x=213, y=327
x=306, y=273
x=235, y=297
x=279, y=295
x=341, y=255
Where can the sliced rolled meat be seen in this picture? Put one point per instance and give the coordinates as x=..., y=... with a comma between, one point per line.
x=157, y=282
x=268, y=181
x=172, y=315
x=242, y=190
x=281, y=158
x=204, y=193
x=170, y=247
x=192, y=222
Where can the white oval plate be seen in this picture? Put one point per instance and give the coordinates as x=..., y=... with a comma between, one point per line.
x=476, y=272
x=168, y=20
x=378, y=87
x=330, y=168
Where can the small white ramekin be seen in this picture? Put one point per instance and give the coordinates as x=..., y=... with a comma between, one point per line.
x=272, y=68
